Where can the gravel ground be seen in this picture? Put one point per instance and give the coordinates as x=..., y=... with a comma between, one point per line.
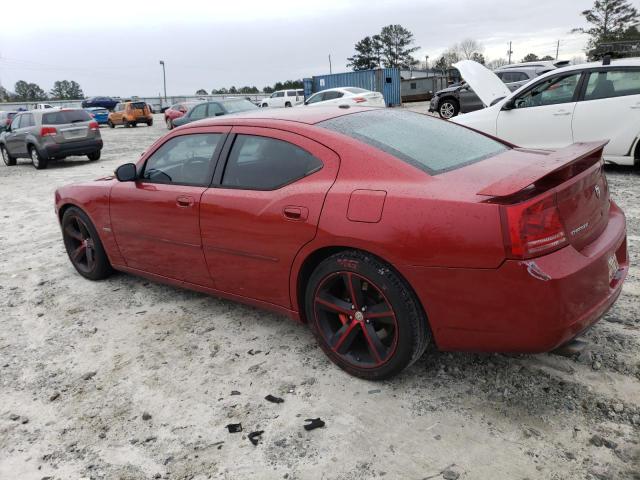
x=128, y=379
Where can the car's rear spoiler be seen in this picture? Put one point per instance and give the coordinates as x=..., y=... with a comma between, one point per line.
x=541, y=164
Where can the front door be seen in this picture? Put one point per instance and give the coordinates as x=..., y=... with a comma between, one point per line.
x=155, y=219
x=15, y=139
x=265, y=209
x=542, y=115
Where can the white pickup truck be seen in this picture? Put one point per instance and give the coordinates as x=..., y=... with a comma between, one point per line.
x=284, y=98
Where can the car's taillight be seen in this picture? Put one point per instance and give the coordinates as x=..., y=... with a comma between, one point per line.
x=533, y=228
x=94, y=126
x=48, y=132
x=359, y=99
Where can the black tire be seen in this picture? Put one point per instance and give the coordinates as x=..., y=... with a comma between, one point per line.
x=77, y=230
x=448, y=108
x=287, y=105
x=39, y=162
x=401, y=336
x=94, y=156
x=169, y=124
x=264, y=105
x=134, y=124
x=111, y=124
x=8, y=160
x=150, y=123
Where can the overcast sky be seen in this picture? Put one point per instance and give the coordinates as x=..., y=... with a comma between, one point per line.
x=114, y=47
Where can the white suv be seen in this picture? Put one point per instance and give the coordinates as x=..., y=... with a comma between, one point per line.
x=284, y=98
x=579, y=103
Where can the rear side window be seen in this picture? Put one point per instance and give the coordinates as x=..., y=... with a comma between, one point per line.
x=65, y=116
x=262, y=163
x=432, y=145
x=332, y=95
x=612, y=83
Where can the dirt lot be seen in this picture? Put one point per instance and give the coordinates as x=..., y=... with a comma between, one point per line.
x=128, y=379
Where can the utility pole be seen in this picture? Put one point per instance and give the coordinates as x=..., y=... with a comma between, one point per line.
x=557, y=49
x=509, y=52
x=330, y=71
x=164, y=81
x=426, y=62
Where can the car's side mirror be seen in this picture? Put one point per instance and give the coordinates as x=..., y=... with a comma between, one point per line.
x=509, y=104
x=126, y=172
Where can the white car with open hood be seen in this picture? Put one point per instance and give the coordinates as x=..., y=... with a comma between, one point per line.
x=578, y=103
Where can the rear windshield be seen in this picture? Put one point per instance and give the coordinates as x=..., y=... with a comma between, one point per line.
x=355, y=90
x=428, y=143
x=65, y=116
x=234, y=106
x=138, y=105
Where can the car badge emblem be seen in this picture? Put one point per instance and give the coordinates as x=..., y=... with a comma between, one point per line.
x=597, y=190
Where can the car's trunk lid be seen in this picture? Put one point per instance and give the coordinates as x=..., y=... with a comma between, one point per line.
x=575, y=175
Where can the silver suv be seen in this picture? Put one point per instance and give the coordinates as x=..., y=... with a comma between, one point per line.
x=51, y=134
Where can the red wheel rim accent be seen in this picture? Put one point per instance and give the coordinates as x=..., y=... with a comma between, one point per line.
x=80, y=244
x=356, y=319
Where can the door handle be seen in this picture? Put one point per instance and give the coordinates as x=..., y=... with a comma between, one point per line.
x=184, y=201
x=561, y=113
x=636, y=106
x=295, y=213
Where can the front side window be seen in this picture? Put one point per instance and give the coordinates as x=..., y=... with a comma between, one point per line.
x=16, y=122
x=183, y=160
x=553, y=91
x=318, y=97
x=612, y=83
x=198, y=112
x=118, y=107
x=262, y=163
x=279, y=94
x=426, y=143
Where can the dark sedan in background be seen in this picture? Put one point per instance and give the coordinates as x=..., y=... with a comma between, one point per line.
x=214, y=109
x=102, y=102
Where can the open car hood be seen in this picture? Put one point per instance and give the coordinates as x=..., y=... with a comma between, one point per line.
x=483, y=81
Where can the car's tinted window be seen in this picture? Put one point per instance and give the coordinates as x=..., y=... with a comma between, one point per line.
x=510, y=77
x=279, y=94
x=613, y=83
x=553, y=91
x=65, y=116
x=16, y=122
x=184, y=160
x=427, y=143
x=138, y=105
x=262, y=163
x=318, y=97
x=198, y=112
x=333, y=95
x=234, y=106
x=291, y=93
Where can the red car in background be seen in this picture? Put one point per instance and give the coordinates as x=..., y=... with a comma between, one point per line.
x=384, y=230
x=176, y=111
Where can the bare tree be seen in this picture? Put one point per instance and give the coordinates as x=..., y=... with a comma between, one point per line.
x=468, y=49
x=496, y=63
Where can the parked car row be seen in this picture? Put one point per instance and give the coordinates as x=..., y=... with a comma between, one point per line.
x=52, y=134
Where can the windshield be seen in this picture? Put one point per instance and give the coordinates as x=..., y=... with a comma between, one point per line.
x=234, y=106
x=428, y=143
x=65, y=116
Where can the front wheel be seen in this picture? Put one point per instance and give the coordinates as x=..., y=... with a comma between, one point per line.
x=83, y=245
x=365, y=316
x=287, y=105
x=448, y=108
x=150, y=123
x=111, y=124
x=38, y=161
x=169, y=124
x=8, y=160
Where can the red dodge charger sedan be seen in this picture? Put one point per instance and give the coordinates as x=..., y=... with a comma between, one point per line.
x=385, y=230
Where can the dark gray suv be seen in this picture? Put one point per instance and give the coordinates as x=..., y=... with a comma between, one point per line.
x=51, y=134
x=459, y=98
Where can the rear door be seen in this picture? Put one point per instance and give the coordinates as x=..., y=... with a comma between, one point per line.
x=543, y=113
x=609, y=109
x=264, y=208
x=156, y=219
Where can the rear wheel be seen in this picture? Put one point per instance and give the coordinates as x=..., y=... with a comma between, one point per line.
x=169, y=124
x=448, y=108
x=83, y=245
x=110, y=123
x=94, y=155
x=364, y=316
x=287, y=105
x=38, y=160
x=264, y=105
x=150, y=123
x=8, y=160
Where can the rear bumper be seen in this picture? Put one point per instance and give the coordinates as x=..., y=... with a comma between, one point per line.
x=82, y=147
x=510, y=309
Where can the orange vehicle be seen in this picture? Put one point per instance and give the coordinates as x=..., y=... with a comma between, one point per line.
x=130, y=114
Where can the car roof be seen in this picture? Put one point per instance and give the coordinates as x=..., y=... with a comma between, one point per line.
x=309, y=116
x=622, y=62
